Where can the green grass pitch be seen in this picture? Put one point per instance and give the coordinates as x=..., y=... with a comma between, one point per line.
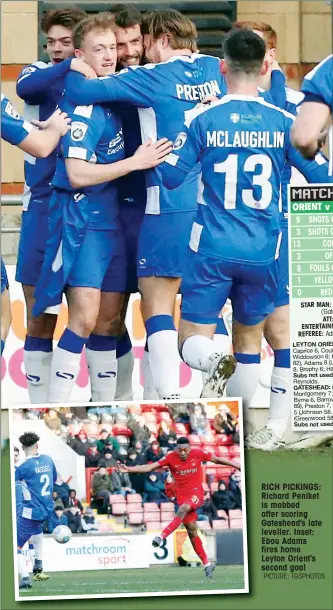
x=150, y=580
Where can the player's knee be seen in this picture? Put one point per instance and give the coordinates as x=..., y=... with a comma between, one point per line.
x=277, y=330
x=85, y=323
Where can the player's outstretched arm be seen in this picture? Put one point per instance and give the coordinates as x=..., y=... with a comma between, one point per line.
x=219, y=460
x=308, y=127
x=40, y=143
x=144, y=468
x=34, y=81
x=82, y=173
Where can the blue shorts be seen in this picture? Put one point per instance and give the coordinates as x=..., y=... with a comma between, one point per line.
x=130, y=218
x=27, y=528
x=208, y=282
x=163, y=244
x=32, y=244
x=101, y=261
x=4, y=278
x=282, y=295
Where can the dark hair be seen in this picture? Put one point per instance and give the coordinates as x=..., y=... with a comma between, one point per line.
x=67, y=17
x=28, y=439
x=182, y=440
x=244, y=51
x=16, y=449
x=126, y=15
x=70, y=491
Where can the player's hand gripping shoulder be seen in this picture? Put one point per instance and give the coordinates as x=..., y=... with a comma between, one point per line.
x=150, y=153
x=80, y=66
x=59, y=121
x=122, y=468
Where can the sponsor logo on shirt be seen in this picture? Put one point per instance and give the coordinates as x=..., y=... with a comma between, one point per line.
x=78, y=131
x=11, y=111
x=234, y=117
x=188, y=471
x=116, y=144
x=180, y=141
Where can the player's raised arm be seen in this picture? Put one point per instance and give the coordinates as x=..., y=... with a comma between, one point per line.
x=144, y=468
x=315, y=170
x=137, y=85
x=35, y=79
x=219, y=460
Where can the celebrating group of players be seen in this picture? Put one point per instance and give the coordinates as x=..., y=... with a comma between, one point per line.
x=150, y=188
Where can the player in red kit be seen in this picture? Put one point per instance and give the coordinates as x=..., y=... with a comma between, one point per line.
x=185, y=466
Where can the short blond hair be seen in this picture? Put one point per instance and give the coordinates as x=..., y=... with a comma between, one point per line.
x=100, y=22
x=180, y=30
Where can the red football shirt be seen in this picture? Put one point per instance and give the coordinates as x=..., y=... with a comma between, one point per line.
x=187, y=473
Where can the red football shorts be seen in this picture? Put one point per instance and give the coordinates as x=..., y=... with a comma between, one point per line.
x=195, y=501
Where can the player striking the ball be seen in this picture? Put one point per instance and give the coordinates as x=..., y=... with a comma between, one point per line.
x=38, y=475
x=185, y=466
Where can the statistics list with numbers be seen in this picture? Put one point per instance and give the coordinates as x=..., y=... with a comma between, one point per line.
x=311, y=305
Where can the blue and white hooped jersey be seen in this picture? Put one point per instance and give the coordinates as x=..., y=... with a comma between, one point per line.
x=14, y=128
x=163, y=93
x=96, y=136
x=37, y=475
x=39, y=106
x=242, y=144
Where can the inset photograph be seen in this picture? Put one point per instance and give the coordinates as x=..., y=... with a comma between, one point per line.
x=153, y=490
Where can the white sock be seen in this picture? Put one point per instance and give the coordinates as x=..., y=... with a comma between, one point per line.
x=38, y=367
x=65, y=366
x=164, y=359
x=37, y=541
x=244, y=381
x=31, y=553
x=22, y=565
x=222, y=345
x=149, y=391
x=102, y=366
x=124, y=387
x=197, y=351
x=280, y=401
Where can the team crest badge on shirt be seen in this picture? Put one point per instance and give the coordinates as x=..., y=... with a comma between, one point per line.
x=78, y=131
x=234, y=117
x=180, y=141
x=11, y=111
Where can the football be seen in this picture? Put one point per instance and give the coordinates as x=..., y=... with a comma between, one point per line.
x=62, y=534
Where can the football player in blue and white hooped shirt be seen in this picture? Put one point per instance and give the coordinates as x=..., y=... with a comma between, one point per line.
x=37, y=475
x=242, y=143
x=41, y=85
x=85, y=250
x=164, y=90
x=17, y=131
x=316, y=109
x=277, y=332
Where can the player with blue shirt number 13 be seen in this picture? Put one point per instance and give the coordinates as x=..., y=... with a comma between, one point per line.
x=235, y=240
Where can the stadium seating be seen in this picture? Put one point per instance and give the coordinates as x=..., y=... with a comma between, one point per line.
x=182, y=429
x=151, y=507
x=134, y=499
x=135, y=518
x=121, y=430
x=236, y=523
x=222, y=514
x=167, y=506
x=134, y=507
x=213, y=487
x=220, y=524
x=153, y=525
x=117, y=499
x=150, y=517
x=194, y=440
x=167, y=516
x=204, y=525
x=119, y=508
x=222, y=451
x=235, y=513
x=224, y=439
